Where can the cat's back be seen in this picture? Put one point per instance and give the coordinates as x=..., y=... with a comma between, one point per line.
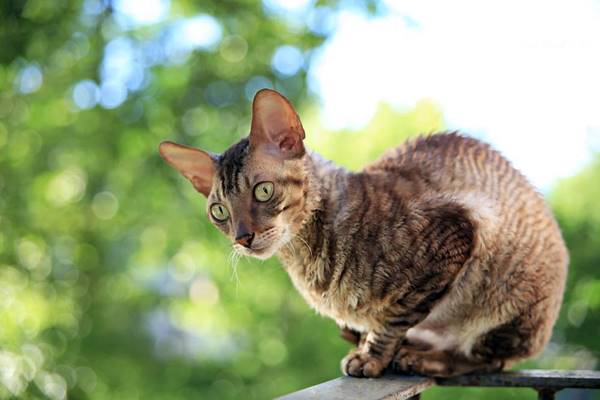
x=451, y=162
x=471, y=173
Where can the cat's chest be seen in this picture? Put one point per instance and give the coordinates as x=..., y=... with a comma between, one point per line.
x=346, y=306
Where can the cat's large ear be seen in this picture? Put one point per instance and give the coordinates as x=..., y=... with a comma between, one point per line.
x=196, y=165
x=276, y=127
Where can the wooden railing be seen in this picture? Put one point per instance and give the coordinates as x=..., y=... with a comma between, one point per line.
x=400, y=387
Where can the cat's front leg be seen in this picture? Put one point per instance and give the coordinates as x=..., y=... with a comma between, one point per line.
x=373, y=355
x=352, y=336
x=379, y=346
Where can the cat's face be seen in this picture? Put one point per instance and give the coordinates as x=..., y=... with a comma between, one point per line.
x=256, y=190
x=257, y=200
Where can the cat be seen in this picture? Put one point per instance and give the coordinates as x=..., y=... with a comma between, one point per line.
x=439, y=258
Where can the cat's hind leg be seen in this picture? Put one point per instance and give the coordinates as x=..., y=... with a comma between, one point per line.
x=440, y=363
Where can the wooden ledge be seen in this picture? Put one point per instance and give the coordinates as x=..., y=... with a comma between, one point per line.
x=534, y=378
x=396, y=387
x=399, y=387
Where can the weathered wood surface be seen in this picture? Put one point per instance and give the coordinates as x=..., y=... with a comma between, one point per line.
x=388, y=387
x=551, y=379
x=399, y=387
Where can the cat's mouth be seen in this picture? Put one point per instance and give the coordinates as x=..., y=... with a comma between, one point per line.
x=266, y=246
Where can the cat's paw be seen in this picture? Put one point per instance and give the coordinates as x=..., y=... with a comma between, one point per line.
x=360, y=364
x=414, y=363
x=440, y=364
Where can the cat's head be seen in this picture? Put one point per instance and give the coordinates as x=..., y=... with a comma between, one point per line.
x=257, y=189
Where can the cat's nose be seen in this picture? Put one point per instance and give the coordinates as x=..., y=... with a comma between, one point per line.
x=245, y=239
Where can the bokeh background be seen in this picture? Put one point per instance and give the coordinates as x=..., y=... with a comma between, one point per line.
x=113, y=284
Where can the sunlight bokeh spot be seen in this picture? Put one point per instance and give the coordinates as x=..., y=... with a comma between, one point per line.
x=30, y=79
x=255, y=84
x=203, y=290
x=272, y=351
x=52, y=385
x=577, y=313
x=34, y=355
x=93, y=7
x=105, y=205
x=117, y=60
x=112, y=94
x=321, y=20
x=201, y=31
x=123, y=63
x=286, y=7
x=184, y=266
x=197, y=121
x=219, y=94
x=86, y=379
x=86, y=94
x=69, y=375
x=78, y=46
x=11, y=375
x=154, y=237
x=287, y=60
x=141, y=12
x=29, y=369
x=31, y=252
x=66, y=187
x=234, y=48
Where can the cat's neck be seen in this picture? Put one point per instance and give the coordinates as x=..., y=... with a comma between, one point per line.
x=326, y=184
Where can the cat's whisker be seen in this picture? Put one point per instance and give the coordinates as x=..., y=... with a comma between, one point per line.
x=305, y=243
x=230, y=256
x=292, y=248
x=234, y=260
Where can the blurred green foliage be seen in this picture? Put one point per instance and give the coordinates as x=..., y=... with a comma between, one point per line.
x=113, y=284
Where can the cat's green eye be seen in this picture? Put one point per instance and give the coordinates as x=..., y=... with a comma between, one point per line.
x=263, y=191
x=219, y=212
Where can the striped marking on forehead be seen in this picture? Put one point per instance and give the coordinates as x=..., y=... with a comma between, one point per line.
x=230, y=165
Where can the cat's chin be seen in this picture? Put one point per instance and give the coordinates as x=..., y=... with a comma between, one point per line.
x=262, y=253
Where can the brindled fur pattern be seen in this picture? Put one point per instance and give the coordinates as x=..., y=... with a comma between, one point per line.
x=439, y=258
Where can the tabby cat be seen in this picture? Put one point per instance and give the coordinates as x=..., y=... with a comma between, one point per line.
x=439, y=258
